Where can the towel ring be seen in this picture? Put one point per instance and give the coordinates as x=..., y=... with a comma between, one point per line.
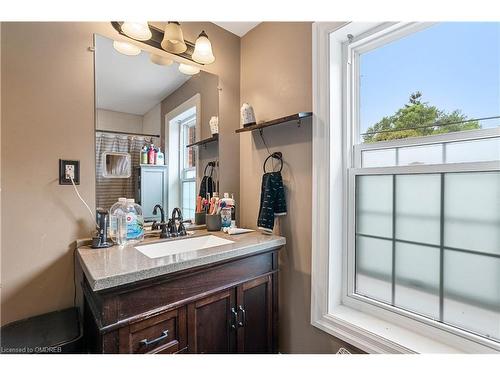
x=275, y=155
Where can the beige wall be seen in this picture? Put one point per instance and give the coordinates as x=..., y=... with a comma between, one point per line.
x=48, y=114
x=118, y=121
x=47, y=71
x=203, y=84
x=276, y=79
x=151, y=122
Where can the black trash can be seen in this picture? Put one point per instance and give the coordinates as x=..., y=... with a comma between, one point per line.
x=55, y=332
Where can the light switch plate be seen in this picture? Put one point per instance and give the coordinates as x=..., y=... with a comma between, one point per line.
x=62, y=175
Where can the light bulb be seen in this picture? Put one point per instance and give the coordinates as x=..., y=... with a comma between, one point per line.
x=160, y=60
x=188, y=69
x=173, y=39
x=137, y=30
x=203, y=50
x=126, y=48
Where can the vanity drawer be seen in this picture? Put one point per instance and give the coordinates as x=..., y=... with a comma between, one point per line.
x=164, y=333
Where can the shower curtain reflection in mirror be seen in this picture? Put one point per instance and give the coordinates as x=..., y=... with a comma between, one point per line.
x=108, y=190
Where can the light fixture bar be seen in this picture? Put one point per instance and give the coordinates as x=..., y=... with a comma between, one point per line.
x=155, y=40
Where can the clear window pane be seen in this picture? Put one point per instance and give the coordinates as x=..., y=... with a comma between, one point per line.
x=472, y=292
x=374, y=268
x=430, y=77
x=417, y=279
x=374, y=205
x=472, y=211
x=418, y=206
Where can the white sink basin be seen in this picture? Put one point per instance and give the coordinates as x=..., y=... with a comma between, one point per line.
x=161, y=249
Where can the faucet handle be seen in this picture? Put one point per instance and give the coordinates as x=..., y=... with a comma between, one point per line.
x=182, y=229
x=172, y=227
x=155, y=225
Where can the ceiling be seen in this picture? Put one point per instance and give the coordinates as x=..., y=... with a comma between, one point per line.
x=131, y=84
x=238, y=28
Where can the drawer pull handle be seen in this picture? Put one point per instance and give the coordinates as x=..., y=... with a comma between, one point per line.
x=146, y=342
x=243, y=321
x=235, y=316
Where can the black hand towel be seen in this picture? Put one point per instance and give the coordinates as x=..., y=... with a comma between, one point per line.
x=207, y=185
x=272, y=200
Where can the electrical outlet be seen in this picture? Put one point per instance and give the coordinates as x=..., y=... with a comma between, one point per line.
x=68, y=169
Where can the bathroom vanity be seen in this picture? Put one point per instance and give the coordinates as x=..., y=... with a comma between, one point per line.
x=217, y=299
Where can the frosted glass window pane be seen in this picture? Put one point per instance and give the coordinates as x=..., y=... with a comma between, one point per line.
x=431, y=154
x=472, y=211
x=418, y=203
x=374, y=268
x=469, y=151
x=378, y=158
x=374, y=205
x=472, y=292
x=417, y=279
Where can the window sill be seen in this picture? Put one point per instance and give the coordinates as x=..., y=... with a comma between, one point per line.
x=375, y=335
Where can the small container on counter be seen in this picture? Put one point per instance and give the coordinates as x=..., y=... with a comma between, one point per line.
x=213, y=222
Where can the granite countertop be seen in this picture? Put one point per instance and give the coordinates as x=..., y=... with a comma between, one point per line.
x=115, y=266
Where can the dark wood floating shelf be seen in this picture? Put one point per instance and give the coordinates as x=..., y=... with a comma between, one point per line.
x=295, y=117
x=213, y=138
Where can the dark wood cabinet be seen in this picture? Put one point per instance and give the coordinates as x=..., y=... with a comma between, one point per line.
x=228, y=307
x=212, y=323
x=255, y=311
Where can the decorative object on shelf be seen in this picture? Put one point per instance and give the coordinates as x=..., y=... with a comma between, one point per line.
x=287, y=119
x=188, y=69
x=203, y=50
x=137, y=30
x=173, y=38
x=126, y=48
x=214, y=125
x=247, y=115
x=160, y=60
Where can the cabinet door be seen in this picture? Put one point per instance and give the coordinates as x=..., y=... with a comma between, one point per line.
x=255, y=311
x=212, y=323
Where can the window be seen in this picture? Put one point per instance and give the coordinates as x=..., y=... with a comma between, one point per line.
x=188, y=166
x=414, y=165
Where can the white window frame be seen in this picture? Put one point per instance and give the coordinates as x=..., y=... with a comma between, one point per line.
x=365, y=325
x=172, y=134
x=182, y=169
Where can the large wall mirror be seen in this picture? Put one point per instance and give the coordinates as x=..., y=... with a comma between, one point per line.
x=149, y=111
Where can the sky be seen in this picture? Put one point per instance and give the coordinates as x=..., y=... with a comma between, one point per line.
x=455, y=65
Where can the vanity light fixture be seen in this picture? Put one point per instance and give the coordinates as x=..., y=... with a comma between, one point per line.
x=173, y=39
x=160, y=60
x=126, y=48
x=137, y=30
x=188, y=69
x=203, y=50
